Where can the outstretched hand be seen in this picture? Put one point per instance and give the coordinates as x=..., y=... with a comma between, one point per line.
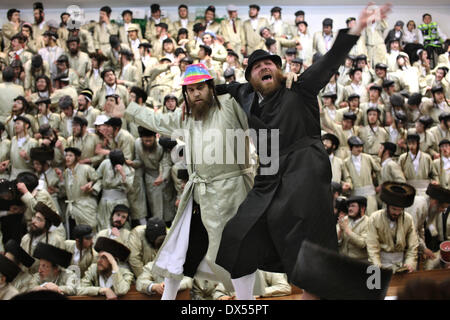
x=369, y=15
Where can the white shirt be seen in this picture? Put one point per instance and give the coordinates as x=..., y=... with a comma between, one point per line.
x=357, y=88
x=357, y=163
x=393, y=133
x=96, y=73
x=277, y=26
x=124, y=69
x=385, y=162
x=184, y=23
x=105, y=283
x=110, y=90
x=110, y=235
x=254, y=23
x=21, y=141
x=135, y=44
x=76, y=256
x=446, y=162
x=415, y=160
x=328, y=40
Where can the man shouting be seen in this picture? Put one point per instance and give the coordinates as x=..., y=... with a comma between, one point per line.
x=294, y=204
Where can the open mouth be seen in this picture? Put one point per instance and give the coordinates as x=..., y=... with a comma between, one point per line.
x=266, y=77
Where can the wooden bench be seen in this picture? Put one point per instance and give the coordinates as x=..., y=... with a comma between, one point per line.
x=398, y=281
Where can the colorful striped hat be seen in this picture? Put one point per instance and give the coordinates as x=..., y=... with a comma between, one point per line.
x=196, y=73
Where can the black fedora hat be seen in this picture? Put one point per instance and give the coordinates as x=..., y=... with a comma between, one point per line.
x=362, y=201
x=115, y=248
x=334, y=140
x=48, y=213
x=8, y=268
x=439, y=193
x=333, y=276
x=258, y=55
x=397, y=194
x=53, y=254
x=19, y=254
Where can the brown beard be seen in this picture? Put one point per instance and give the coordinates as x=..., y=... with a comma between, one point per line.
x=269, y=88
x=199, y=110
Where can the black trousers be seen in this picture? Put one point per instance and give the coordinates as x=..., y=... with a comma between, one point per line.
x=257, y=249
x=198, y=243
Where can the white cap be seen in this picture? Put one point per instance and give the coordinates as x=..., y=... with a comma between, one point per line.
x=232, y=7
x=101, y=119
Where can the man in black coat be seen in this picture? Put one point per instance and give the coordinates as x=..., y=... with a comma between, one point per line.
x=294, y=204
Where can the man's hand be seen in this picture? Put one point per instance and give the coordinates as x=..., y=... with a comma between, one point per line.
x=158, y=288
x=4, y=166
x=346, y=186
x=108, y=293
x=129, y=163
x=158, y=181
x=59, y=174
x=53, y=287
x=226, y=298
x=111, y=260
x=87, y=187
x=343, y=224
x=59, y=145
x=115, y=232
x=24, y=154
x=16, y=209
x=368, y=15
x=428, y=254
x=410, y=269
x=291, y=77
x=22, y=187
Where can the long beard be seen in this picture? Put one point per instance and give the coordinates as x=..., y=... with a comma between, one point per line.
x=105, y=272
x=151, y=148
x=267, y=89
x=38, y=20
x=200, y=110
x=329, y=150
x=36, y=232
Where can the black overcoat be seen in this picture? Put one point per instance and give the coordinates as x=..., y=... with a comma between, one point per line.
x=297, y=199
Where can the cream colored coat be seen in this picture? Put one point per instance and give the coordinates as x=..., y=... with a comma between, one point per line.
x=88, y=256
x=235, y=180
x=66, y=281
x=102, y=34
x=141, y=252
x=380, y=237
x=90, y=284
x=353, y=244
x=147, y=278
x=364, y=179
x=82, y=206
x=252, y=36
x=8, y=92
x=87, y=144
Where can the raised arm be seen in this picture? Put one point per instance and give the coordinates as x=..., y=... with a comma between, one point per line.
x=320, y=72
x=163, y=123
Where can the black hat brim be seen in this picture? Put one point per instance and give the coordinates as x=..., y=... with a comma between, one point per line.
x=53, y=254
x=333, y=276
x=259, y=55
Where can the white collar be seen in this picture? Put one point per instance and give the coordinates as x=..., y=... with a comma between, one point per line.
x=356, y=158
x=386, y=162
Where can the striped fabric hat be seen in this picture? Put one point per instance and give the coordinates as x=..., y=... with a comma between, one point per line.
x=196, y=73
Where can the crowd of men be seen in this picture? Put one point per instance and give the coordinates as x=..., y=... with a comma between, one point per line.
x=82, y=186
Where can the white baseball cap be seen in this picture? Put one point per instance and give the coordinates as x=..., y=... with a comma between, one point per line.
x=101, y=119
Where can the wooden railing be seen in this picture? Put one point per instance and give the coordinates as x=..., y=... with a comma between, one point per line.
x=398, y=281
